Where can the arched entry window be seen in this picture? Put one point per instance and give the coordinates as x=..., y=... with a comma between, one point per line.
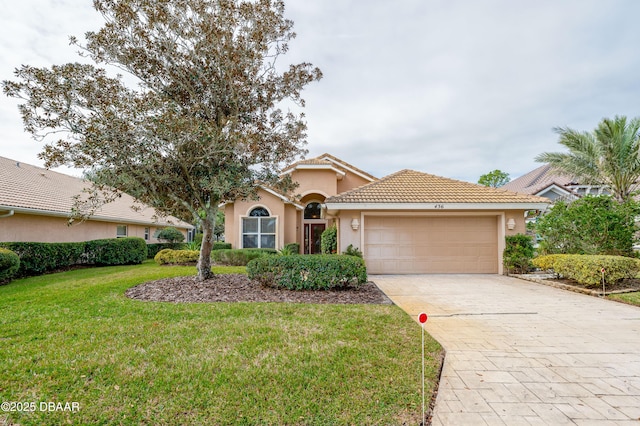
x=312, y=211
x=259, y=229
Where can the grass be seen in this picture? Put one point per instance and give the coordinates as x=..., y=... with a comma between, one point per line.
x=630, y=298
x=74, y=337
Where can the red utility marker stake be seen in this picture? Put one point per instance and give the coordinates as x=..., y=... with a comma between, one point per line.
x=423, y=318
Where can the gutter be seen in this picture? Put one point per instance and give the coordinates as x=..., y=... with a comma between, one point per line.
x=442, y=206
x=123, y=221
x=9, y=214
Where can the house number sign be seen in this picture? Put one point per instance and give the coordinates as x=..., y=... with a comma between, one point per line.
x=439, y=206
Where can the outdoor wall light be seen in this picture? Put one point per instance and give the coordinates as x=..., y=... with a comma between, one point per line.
x=355, y=224
x=511, y=224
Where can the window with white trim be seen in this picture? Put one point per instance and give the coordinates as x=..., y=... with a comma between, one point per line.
x=121, y=231
x=146, y=234
x=259, y=229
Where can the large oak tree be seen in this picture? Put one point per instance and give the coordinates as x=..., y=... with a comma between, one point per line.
x=204, y=120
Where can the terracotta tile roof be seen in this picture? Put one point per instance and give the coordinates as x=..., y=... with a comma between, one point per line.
x=409, y=186
x=328, y=160
x=539, y=179
x=27, y=187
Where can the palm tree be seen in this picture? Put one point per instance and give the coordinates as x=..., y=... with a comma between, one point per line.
x=607, y=156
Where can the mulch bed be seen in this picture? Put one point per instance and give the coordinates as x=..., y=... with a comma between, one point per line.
x=239, y=288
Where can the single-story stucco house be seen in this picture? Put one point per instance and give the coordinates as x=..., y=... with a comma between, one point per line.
x=35, y=204
x=407, y=222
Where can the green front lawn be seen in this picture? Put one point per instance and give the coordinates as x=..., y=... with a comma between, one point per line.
x=630, y=298
x=74, y=337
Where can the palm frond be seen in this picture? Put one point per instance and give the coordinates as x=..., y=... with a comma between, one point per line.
x=609, y=155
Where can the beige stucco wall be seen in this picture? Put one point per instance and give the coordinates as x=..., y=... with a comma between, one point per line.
x=351, y=181
x=317, y=181
x=47, y=229
x=518, y=217
x=285, y=213
x=291, y=229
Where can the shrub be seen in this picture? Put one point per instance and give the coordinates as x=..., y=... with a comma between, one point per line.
x=39, y=258
x=176, y=257
x=9, y=265
x=546, y=262
x=518, y=253
x=220, y=245
x=329, y=240
x=153, y=249
x=353, y=251
x=116, y=251
x=586, y=269
x=193, y=245
x=317, y=272
x=294, y=248
x=239, y=257
x=170, y=235
x=589, y=225
x=286, y=251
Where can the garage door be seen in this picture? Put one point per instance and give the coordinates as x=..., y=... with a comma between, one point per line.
x=417, y=245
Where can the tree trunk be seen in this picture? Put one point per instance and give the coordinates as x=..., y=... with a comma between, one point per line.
x=208, y=228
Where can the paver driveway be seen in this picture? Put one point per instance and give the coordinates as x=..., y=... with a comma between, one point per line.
x=521, y=353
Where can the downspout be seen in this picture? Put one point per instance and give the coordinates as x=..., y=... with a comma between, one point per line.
x=11, y=213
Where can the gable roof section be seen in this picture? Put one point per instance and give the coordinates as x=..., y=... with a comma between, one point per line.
x=35, y=190
x=328, y=161
x=538, y=179
x=281, y=196
x=409, y=189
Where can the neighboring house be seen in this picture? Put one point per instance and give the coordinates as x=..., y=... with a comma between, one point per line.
x=546, y=182
x=35, y=205
x=407, y=222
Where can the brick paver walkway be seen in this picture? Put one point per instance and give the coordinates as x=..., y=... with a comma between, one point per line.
x=520, y=353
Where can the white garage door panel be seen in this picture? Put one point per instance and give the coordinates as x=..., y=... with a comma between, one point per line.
x=411, y=245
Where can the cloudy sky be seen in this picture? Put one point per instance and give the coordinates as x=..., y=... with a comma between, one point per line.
x=451, y=87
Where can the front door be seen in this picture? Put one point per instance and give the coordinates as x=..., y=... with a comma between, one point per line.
x=312, y=234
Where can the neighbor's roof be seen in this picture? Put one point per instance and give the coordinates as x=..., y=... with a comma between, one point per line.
x=30, y=189
x=538, y=180
x=327, y=161
x=417, y=188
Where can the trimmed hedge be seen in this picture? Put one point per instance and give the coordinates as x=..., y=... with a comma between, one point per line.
x=9, y=265
x=116, y=251
x=176, y=257
x=300, y=272
x=239, y=257
x=39, y=258
x=219, y=245
x=155, y=248
x=587, y=269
